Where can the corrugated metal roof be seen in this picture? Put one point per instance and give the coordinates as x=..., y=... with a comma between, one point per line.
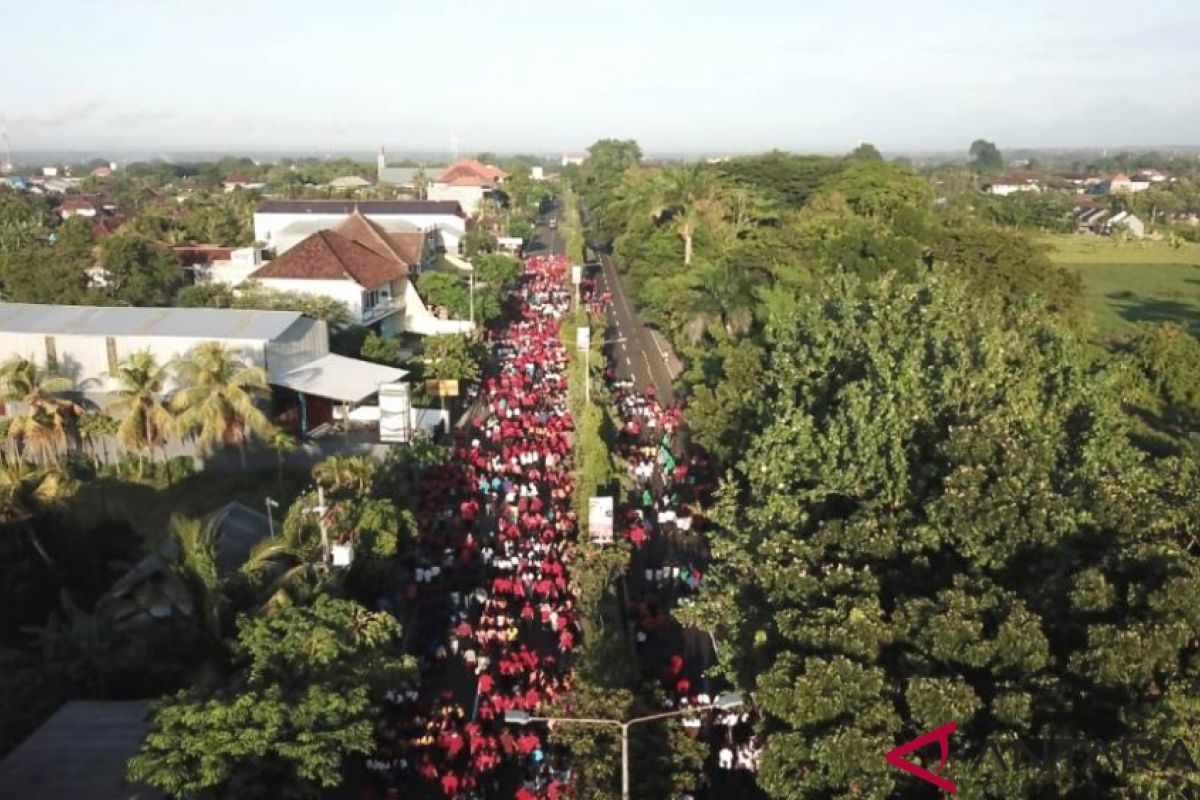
x=197, y=323
x=339, y=378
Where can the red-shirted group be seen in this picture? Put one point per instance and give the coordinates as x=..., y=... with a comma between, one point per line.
x=496, y=615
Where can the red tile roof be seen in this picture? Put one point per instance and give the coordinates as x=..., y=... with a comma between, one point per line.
x=470, y=173
x=330, y=256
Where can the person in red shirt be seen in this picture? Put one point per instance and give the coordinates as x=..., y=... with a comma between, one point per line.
x=449, y=784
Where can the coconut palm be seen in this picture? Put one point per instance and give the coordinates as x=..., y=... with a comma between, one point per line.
x=146, y=422
x=687, y=195
x=28, y=489
x=95, y=429
x=346, y=475
x=282, y=443
x=720, y=294
x=47, y=421
x=217, y=401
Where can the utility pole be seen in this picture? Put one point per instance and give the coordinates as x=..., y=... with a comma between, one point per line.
x=270, y=519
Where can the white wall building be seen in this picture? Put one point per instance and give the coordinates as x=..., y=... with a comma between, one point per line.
x=466, y=182
x=87, y=343
x=445, y=217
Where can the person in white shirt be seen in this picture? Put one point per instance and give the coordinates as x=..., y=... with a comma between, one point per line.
x=725, y=758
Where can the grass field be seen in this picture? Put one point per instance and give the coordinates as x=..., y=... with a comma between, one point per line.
x=1134, y=281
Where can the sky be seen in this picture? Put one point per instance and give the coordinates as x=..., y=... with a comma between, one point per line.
x=680, y=76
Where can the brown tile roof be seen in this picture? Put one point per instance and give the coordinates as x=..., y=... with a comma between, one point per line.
x=470, y=173
x=410, y=244
x=368, y=207
x=372, y=236
x=330, y=256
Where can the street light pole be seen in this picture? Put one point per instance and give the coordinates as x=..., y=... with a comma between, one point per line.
x=271, y=520
x=724, y=702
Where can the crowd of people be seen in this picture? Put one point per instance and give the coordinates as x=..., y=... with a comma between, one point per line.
x=661, y=521
x=497, y=622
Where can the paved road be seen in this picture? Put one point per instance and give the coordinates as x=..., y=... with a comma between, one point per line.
x=644, y=357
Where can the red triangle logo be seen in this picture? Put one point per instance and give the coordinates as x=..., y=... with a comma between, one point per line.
x=941, y=736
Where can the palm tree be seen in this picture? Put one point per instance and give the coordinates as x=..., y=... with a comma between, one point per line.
x=26, y=490
x=687, y=195
x=720, y=294
x=341, y=475
x=282, y=443
x=47, y=422
x=96, y=428
x=146, y=423
x=216, y=402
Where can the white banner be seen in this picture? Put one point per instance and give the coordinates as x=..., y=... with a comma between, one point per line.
x=395, y=412
x=576, y=274
x=583, y=338
x=600, y=520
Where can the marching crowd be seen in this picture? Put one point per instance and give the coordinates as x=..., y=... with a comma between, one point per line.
x=496, y=614
x=669, y=556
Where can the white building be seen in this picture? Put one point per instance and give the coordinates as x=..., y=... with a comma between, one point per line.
x=1012, y=183
x=466, y=182
x=86, y=344
x=274, y=216
x=365, y=266
x=568, y=160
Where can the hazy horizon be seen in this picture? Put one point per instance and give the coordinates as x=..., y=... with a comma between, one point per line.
x=927, y=76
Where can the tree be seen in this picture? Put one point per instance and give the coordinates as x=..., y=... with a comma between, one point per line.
x=496, y=270
x=687, y=196
x=942, y=516
x=879, y=189
x=479, y=241
x=985, y=156
x=380, y=349
x=46, y=423
x=450, y=356
x=27, y=490
x=307, y=697
x=216, y=401
x=139, y=272
x=146, y=422
x=866, y=152
x=446, y=291
x=346, y=476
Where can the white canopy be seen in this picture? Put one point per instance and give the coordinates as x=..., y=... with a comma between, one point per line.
x=338, y=378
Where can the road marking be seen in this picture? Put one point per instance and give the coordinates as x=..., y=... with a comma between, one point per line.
x=623, y=347
x=628, y=363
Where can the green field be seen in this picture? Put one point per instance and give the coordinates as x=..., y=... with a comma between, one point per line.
x=1132, y=282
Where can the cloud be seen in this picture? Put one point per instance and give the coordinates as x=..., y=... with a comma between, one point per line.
x=136, y=119
x=70, y=114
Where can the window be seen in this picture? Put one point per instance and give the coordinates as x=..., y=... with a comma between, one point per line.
x=51, y=354
x=111, y=344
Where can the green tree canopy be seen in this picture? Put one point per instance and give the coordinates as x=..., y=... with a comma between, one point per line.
x=985, y=156
x=866, y=152
x=139, y=272
x=306, y=695
x=943, y=516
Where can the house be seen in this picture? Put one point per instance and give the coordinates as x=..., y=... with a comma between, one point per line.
x=1014, y=182
x=404, y=177
x=231, y=266
x=468, y=182
x=349, y=182
x=236, y=181
x=537, y=173
x=1130, y=223
x=49, y=172
x=1123, y=183
x=366, y=266
x=568, y=160
x=104, y=171
x=87, y=343
x=1151, y=176
x=81, y=751
x=1091, y=219
x=84, y=205
x=272, y=217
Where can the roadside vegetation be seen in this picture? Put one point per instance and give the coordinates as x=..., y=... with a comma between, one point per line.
x=942, y=500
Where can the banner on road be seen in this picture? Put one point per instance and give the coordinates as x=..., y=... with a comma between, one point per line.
x=600, y=520
x=583, y=337
x=576, y=274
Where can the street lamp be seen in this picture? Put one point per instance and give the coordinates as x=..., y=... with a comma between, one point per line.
x=271, y=520
x=723, y=702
